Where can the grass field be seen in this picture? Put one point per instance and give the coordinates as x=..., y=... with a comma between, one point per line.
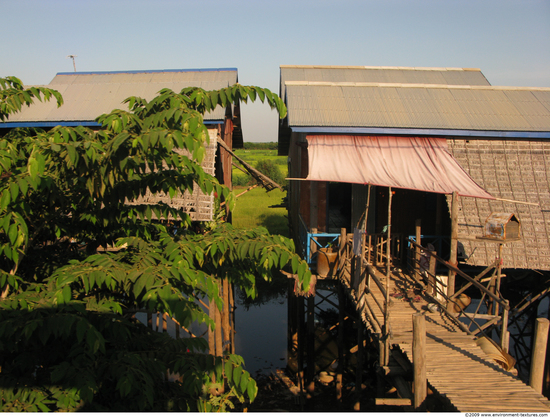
x=252, y=209
x=254, y=155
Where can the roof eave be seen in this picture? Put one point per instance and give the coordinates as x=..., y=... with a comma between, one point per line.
x=420, y=132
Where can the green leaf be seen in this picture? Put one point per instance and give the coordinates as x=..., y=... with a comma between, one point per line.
x=13, y=233
x=5, y=199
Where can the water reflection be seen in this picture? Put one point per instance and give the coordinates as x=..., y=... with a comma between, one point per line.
x=261, y=327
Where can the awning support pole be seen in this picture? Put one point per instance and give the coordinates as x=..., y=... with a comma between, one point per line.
x=454, y=244
x=388, y=276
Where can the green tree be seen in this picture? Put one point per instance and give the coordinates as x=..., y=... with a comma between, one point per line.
x=69, y=339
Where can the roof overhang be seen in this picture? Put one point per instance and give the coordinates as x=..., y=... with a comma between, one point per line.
x=419, y=132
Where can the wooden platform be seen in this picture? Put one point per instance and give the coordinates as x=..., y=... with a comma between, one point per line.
x=456, y=367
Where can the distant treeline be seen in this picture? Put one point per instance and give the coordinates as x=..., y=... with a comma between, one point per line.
x=260, y=145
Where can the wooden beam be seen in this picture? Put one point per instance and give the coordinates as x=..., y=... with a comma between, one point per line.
x=454, y=244
x=392, y=402
x=419, y=360
x=539, y=354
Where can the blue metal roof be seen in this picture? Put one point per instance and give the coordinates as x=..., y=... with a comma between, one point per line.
x=147, y=71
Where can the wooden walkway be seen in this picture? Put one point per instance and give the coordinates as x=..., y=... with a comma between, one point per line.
x=456, y=367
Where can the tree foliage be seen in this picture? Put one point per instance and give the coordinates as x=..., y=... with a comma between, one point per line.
x=69, y=339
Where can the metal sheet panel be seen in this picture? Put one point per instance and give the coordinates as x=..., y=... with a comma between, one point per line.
x=417, y=106
x=365, y=74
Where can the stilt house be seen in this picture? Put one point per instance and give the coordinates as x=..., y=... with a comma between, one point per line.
x=420, y=134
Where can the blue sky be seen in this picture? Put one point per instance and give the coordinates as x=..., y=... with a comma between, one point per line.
x=509, y=40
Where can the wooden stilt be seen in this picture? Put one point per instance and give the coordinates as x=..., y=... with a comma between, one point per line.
x=359, y=369
x=232, y=318
x=219, y=330
x=226, y=341
x=539, y=354
x=386, y=336
x=419, y=360
x=417, y=255
x=300, y=345
x=340, y=368
x=310, y=351
x=211, y=332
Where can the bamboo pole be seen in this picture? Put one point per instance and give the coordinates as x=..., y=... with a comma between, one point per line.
x=539, y=354
x=419, y=360
x=363, y=240
x=454, y=244
x=388, y=276
x=417, y=255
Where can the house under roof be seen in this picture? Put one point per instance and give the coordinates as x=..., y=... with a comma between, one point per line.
x=498, y=135
x=87, y=95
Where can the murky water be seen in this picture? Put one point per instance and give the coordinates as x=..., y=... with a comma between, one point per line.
x=261, y=337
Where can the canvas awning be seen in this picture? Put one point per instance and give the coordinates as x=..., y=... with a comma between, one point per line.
x=416, y=163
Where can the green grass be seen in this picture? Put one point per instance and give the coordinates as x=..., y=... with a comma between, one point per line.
x=253, y=156
x=252, y=209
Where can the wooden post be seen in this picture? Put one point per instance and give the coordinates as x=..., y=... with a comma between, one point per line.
x=539, y=354
x=386, y=335
x=340, y=340
x=359, y=369
x=310, y=350
x=225, y=317
x=504, y=334
x=499, y=276
x=419, y=360
x=342, y=252
x=363, y=240
x=300, y=345
x=417, y=255
x=454, y=244
x=312, y=244
x=432, y=281
x=232, y=324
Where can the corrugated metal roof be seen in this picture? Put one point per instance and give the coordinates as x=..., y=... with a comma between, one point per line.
x=366, y=74
x=420, y=106
x=88, y=95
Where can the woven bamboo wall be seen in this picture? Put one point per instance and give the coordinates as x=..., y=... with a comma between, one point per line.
x=198, y=205
x=513, y=170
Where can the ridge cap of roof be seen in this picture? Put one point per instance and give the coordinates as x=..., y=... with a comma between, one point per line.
x=411, y=85
x=367, y=67
x=191, y=70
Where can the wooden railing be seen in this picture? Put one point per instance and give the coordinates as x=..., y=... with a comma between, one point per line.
x=455, y=303
x=376, y=249
x=430, y=272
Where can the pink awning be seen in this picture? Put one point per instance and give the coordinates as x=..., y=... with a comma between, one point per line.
x=402, y=162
